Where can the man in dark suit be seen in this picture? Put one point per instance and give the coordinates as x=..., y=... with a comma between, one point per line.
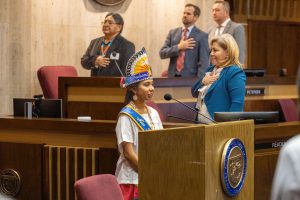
x=221, y=11
x=100, y=54
x=187, y=47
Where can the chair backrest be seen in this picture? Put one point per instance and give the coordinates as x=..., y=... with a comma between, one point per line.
x=99, y=187
x=48, y=78
x=289, y=110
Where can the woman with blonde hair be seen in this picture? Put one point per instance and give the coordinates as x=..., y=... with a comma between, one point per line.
x=223, y=87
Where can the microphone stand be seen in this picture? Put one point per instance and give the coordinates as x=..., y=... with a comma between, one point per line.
x=189, y=120
x=119, y=68
x=115, y=56
x=194, y=110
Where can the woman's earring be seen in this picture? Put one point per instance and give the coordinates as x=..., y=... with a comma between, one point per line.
x=134, y=98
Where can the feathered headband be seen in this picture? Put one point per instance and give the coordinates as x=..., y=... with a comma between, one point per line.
x=137, y=69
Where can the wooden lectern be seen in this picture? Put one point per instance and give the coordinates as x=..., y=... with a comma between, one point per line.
x=185, y=163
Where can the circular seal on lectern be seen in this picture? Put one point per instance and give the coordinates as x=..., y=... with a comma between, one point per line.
x=10, y=182
x=109, y=2
x=233, y=167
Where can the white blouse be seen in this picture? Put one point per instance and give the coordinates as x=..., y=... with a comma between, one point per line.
x=200, y=101
x=127, y=131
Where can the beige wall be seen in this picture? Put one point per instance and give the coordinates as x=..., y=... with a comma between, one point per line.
x=54, y=32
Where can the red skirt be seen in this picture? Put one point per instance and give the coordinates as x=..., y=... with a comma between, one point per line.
x=130, y=191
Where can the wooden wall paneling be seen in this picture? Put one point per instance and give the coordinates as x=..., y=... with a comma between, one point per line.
x=108, y=158
x=290, y=48
x=273, y=48
x=263, y=9
x=63, y=166
x=256, y=40
x=54, y=173
x=63, y=169
x=80, y=163
x=265, y=161
x=274, y=45
x=91, y=162
x=26, y=160
x=273, y=10
x=297, y=8
x=46, y=175
x=289, y=11
x=240, y=10
x=71, y=173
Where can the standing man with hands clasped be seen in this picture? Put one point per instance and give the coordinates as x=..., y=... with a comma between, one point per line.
x=187, y=47
x=102, y=51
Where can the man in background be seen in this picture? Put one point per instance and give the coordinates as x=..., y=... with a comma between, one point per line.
x=221, y=15
x=187, y=47
x=109, y=54
x=286, y=181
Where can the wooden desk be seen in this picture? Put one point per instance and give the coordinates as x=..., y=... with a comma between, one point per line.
x=63, y=150
x=50, y=154
x=268, y=140
x=102, y=97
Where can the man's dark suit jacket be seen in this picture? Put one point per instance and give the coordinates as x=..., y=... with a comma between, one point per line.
x=119, y=45
x=196, y=60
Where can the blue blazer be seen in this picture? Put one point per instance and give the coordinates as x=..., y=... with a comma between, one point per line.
x=227, y=94
x=196, y=60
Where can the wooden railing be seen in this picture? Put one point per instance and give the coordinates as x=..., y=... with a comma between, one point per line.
x=271, y=10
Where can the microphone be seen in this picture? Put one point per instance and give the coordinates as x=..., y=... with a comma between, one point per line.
x=115, y=56
x=169, y=97
x=184, y=119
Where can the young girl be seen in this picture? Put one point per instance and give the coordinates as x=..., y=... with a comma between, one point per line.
x=134, y=117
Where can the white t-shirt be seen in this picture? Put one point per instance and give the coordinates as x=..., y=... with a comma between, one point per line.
x=286, y=181
x=127, y=131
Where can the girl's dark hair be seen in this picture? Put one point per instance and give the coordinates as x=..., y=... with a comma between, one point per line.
x=118, y=19
x=129, y=94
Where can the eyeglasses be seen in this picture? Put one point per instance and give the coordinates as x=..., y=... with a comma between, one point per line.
x=108, y=22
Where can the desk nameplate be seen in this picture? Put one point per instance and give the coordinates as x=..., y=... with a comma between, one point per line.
x=255, y=91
